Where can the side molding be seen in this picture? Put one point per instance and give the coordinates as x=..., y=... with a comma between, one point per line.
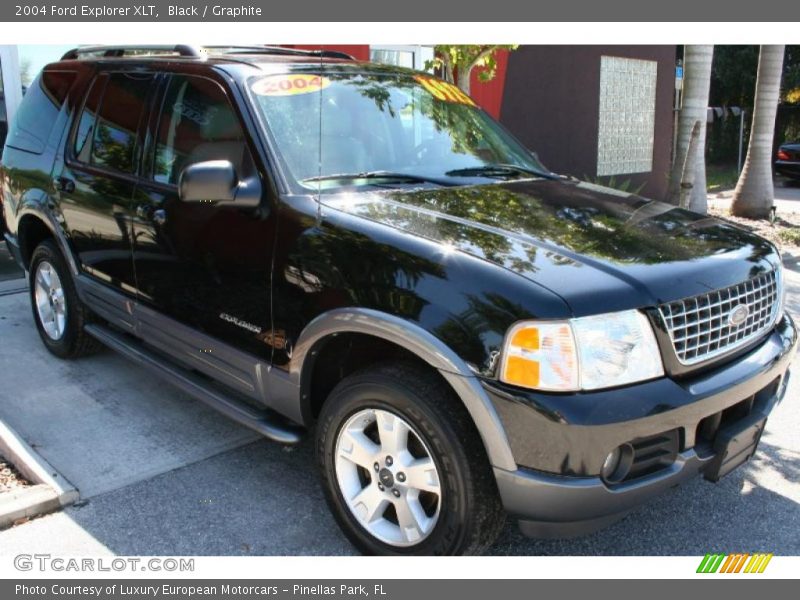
x=424, y=345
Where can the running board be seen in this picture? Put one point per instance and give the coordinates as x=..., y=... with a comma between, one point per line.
x=266, y=422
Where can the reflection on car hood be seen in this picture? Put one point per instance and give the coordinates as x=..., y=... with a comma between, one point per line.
x=577, y=239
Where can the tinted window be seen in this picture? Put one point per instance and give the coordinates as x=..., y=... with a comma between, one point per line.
x=88, y=117
x=197, y=124
x=116, y=122
x=37, y=113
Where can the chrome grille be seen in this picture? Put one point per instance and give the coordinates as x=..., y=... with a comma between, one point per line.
x=700, y=329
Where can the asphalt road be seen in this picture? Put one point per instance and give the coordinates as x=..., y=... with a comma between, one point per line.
x=161, y=475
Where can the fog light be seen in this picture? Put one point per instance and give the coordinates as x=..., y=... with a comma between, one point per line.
x=617, y=464
x=611, y=463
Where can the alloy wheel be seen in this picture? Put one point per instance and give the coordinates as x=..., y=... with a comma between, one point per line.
x=388, y=477
x=50, y=301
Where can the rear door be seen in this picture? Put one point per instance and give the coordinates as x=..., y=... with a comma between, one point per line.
x=97, y=183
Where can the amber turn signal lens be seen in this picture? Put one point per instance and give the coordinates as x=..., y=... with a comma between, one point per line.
x=541, y=356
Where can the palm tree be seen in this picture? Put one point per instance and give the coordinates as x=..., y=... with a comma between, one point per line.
x=691, y=137
x=754, y=192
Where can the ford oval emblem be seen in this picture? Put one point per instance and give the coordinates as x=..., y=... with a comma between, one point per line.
x=738, y=315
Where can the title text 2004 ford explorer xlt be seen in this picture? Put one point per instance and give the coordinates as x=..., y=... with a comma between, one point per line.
x=307, y=242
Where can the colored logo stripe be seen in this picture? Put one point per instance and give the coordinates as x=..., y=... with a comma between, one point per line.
x=734, y=563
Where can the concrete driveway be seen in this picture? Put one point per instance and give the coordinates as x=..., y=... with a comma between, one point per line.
x=787, y=196
x=161, y=474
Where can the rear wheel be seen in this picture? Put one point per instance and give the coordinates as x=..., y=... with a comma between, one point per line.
x=403, y=467
x=57, y=310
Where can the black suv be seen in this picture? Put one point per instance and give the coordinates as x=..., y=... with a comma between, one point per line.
x=308, y=242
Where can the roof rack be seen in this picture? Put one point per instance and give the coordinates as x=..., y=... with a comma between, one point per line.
x=186, y=51
x=119, y=51
x=280, y=50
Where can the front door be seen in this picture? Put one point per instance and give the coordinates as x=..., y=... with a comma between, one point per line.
x=97, y=182
x=203, y=265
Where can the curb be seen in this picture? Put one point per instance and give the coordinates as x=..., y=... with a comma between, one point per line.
x=50, y=491
x=27, y=502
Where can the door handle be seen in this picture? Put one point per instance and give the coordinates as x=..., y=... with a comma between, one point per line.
x=64, y=184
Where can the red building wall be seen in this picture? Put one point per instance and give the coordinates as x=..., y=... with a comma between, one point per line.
x=489, y=95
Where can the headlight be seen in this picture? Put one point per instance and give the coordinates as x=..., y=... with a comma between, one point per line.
x=588, y=353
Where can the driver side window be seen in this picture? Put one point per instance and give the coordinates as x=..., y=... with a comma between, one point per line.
x=197, y=124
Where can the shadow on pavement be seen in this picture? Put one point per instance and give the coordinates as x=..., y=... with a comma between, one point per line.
x=263, y=499
x=8, y=268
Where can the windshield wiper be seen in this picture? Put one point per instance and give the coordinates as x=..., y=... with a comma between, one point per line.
x=498, y=170
x=371, y=175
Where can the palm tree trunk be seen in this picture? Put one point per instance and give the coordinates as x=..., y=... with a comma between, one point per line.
x=447, y=68
x=696, y=83
x=465, y=78
x=693, y=153
x=754, y=192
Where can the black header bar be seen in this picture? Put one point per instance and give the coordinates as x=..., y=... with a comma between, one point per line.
x=599, y=11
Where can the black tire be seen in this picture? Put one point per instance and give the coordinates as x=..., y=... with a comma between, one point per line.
x=74, y=342
x=471, y=515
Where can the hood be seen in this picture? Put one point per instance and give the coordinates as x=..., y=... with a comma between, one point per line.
x=586, y=243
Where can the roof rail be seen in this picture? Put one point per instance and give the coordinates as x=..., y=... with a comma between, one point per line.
x=186, y=51
x=119, y=51
x=281, y=50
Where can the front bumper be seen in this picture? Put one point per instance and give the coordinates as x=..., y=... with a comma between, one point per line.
x=563, y=440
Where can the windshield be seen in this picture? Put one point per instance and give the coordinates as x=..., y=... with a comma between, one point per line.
x=351, y=129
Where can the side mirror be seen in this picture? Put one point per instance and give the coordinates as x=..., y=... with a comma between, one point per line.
x=216, y=182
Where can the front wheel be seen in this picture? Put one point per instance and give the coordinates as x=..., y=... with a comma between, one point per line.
x=403, y=467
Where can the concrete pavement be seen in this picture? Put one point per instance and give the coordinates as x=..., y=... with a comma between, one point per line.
x=163, y=475
x=102, y=422
x=787, y=197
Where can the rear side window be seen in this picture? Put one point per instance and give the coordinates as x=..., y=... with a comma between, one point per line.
x=83, y=137
x=107, y=129
x=39, y=109
x=197, y=124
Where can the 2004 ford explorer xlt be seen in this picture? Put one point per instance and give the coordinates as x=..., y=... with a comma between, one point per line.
x=310, y=243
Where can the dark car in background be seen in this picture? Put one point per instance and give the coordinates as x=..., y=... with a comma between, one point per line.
x=787, y=162
x=309, y=243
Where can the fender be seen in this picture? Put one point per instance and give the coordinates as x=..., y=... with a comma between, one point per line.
x=422, y=344
x=39, y=211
